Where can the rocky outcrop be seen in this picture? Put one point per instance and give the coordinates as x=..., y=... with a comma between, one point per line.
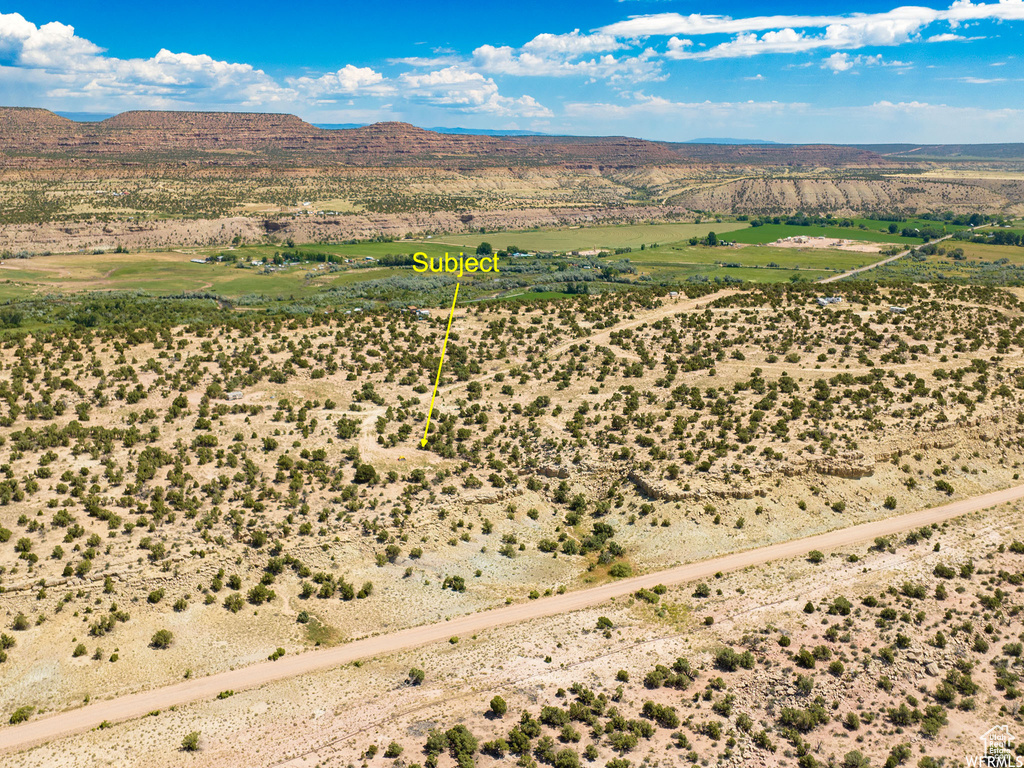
x=552, y=470
x=850, y=464
x=656, y=489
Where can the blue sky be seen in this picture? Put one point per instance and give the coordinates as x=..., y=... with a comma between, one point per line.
x=853, y=72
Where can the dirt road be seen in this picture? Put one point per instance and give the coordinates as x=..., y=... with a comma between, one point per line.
x=62, y=724
x=887, y=260
x=858, y=270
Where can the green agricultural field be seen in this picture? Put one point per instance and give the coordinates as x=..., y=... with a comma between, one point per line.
x=685, y=272
x=166, y=273
x=769, y=233
x=317, y=284
x=752, y=256
x=981, y=265
x=171, y=273
x=980, y=252
x=11, y=290
x=586, y=238
x=882, y=225
x=347, y=250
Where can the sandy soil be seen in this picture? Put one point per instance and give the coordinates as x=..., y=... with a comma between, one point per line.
x=819, y=243
x=329, y=718
x=137, y=705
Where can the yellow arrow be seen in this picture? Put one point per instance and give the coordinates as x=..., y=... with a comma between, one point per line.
x=423, y=442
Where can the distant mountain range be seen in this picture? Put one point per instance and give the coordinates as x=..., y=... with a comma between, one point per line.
x=728, y=141
x=512, y=132
x=95, y=117
x=892, y=151
x=188, y=135
x=442, y=129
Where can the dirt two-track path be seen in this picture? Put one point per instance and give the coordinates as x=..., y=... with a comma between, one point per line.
x=56, y=726
x=883, y=262
x=858, y=270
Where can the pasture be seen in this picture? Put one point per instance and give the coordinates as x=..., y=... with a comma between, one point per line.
x=882, y=225
x=346, y=250
x=980, y=264
x=586, y=238
x=752, y=256
x=668, y=258
x=684, y=272
x=166, y=273
x=981, y=253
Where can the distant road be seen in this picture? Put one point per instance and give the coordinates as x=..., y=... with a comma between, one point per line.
x=887, y=260
x=58, y=725
x=858, y=270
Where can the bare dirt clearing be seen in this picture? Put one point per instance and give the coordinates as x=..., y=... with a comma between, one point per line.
x=800, y=243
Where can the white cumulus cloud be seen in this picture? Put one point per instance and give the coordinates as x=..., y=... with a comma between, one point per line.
x=51, y=60
x=467, y=91
x=844, y=62
x=573, y=43
x=571, y=54
x=347, y=81
x=71, y=67
x=755, y=35
x=505, y=60
x=52, y=45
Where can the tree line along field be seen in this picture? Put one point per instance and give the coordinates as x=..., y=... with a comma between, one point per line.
x=959, y=261
x=350, y=274
x=591, y=237
x=572, y=442
x=769, y=233
x=738, y=230
x=360, y=274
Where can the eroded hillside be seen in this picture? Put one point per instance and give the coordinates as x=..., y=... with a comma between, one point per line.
x=158, y=179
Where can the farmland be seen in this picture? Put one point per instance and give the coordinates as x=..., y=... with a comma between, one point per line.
x=590, y=237
x=279, y=274
x=163, y=273
x=282, y=273
x=755, y=256
x=769, y=233
x=960, y=261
